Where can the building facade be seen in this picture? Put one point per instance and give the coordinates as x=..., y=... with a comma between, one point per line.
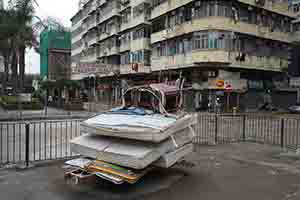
x=224, y=49
x=1, y=4
x=55, y=54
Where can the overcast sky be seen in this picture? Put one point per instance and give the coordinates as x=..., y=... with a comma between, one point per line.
x=62, y=10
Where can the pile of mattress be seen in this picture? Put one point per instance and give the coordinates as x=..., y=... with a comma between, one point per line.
x=153, y=128
x=134, y=141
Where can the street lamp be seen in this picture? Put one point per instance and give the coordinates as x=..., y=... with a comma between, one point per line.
x=93, y=76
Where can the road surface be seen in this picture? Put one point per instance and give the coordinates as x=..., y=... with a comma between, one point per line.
x=230, y=171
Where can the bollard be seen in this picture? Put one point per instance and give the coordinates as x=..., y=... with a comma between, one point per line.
x=216, y=129
x=282, y=133
x=27, y=128
x=244, y=128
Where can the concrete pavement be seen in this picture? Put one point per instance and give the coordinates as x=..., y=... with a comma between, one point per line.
x=233, y=171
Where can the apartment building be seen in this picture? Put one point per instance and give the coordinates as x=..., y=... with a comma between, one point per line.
x=294, y=67
x=222, y=45
x=295, y=6
x=217, y=45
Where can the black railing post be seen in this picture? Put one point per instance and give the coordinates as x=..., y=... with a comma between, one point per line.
x=216, y=129
x=282, y=133
x=27, y=128
x=244, y=128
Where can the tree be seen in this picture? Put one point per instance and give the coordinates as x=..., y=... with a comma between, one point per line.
x=7, y=30
x=18, y=32
x=5, y=51
x=24, y=37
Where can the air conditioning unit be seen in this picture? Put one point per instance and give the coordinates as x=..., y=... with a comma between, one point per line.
x=260, y=2
x=197, y=4
x=124, y=2
x=141, y=9
x=211, y=74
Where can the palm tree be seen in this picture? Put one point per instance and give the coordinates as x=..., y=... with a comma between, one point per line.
x=24, y=37
x=17, y=32
x=7, y=30
x=5, y=51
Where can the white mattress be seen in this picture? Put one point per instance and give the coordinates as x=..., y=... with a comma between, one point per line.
x=171, y=158
x=128, y=153
x=153, y=128
x=155, y=121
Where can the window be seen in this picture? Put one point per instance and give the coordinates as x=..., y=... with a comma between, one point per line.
x=141, y=33
x=211, y=8
x=158, y=25
x=147, y=57
x=200, y=40
x=157, y=2
x=221, y=41
x=126, y=16
x=244, y=14
x=187, y=45
x=171, y=48
x=212, y=40
x=200, y=9
x=139, y=10
x=188, y=13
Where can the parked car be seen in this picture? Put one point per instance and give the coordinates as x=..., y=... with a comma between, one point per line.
x=295, y=109
x=268, y=107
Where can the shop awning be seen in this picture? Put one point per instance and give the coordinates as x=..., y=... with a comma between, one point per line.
x=77, y=77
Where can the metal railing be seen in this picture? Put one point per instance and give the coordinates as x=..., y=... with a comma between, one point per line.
x=274, y=130
x=25, y=142
x=22, y=142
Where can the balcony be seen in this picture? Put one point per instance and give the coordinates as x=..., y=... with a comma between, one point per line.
x=135, y=21
x=93, y=7
x=259, y=63
x=92, y=23
x=124, y=4
x=296, y=36
x=167, y=6
x=127, y=69
x=139, y=44
x=103, y=52
x=134, y=3
x=278, y=7
x=76, y=38
x=220, y=23
x=108, y=14
x=92, y=41
x=125, y=46
x=85, y=27
x=90, y=56
x=211, y=57
x=77, y=50
x=104, y=36
x=76, y=26
x=101, y=2
x=189, y=59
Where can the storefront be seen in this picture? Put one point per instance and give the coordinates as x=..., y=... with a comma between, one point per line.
x=219, y=94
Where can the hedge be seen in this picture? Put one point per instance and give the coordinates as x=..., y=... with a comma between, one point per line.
x=11, y=103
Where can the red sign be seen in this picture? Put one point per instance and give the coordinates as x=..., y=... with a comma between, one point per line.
x=228, y=86
x=135, y=67
x=220, y=83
